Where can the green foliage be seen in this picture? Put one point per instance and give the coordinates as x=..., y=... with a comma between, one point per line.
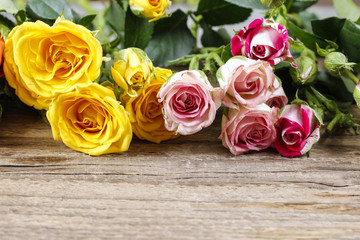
x=115, y=17
x=7, y=20
x=226, y=53
x=309, y=39
x=87, y=20
x=343, y=32
x=333, y=86
x=221, y=12
x=171, y=39
x=49, y=10
x=295, y=6
x=138, y=31
x=357, y=21
x=211, y=38
x=248, y=4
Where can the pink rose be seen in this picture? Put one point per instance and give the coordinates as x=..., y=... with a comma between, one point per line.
x=263, y=39
x=277, y=99
x=297, y=130
x=189, y=102
x=246, y=82
x=247, y=129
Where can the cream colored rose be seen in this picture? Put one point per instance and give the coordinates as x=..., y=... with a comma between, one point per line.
x=132, y=69
x=90, y=120
x=152, y=9
x=42, y=61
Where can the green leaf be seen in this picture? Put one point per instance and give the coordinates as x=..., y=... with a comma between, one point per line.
x=357, y=21
x=171, y=39
x=299, y=5
x=8, y=6
x=87, y=20
x=115, y=17
x=220, y=12
x=138, y=31
x=224, y=35
x=211, y=38
x=328, y=28
x=248, y=4
x=7, y=20
x=123, y=4
x=309, y=39
x=333, y=86
x=226, y=112
x=49, y=10
x=20, y=17
x=4, y=30
x=346, y=9
x=342, y=31
x=349, y=41
x=226, y=53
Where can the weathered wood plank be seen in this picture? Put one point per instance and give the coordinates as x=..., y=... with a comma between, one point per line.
x=187, y=188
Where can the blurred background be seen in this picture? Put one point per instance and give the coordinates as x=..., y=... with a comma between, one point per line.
x=322, y=9
x=21, y=3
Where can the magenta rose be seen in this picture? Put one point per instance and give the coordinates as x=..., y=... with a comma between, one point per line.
x=297, y=130
x=248, y=129
x=189, y=102
x=264, y=40
x=246, y=82
x=277, y=99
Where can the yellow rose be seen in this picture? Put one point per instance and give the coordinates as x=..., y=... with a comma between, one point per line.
x=42, y=61
x=132, y=69
x=152, y=9
x=90, y=120
x=146, y=112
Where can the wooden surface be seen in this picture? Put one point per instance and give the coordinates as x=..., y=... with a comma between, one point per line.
x=188, y=188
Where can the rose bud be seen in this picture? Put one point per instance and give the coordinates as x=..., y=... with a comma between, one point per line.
x=306, y=70
x=154, y=10
x=248, y=129
x=132, y=69
x=336, y=62
x=190, y=102
x=246, y=82
x=264, y=40
x=297, y=130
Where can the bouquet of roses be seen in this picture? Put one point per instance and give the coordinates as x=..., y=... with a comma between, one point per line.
x=102, y=77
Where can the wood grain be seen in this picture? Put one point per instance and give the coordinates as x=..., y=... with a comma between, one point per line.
x=188, y=188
